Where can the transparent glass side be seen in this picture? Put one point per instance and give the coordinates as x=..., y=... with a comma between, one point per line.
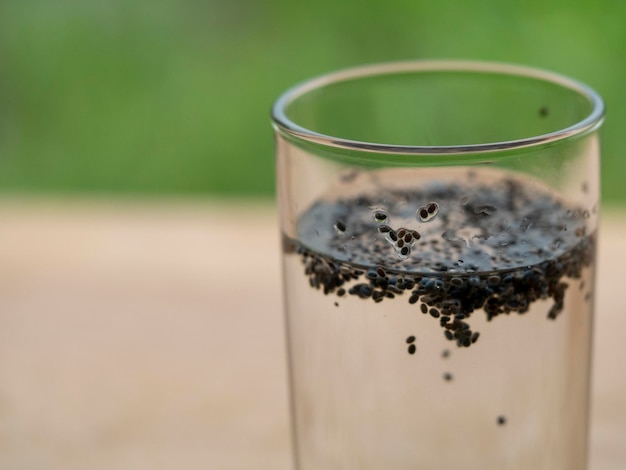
x=439, y=309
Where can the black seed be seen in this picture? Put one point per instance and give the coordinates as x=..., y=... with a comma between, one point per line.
x=543, y=111
x=340, y=226
x=423, y=213
x=336, y=304
x=380, y=216
x=445, y=353
x=548, y=271
x=475, y=337
x=432, y=208
x=447, y=376
x=410, y=339
x=501, y=420
x=412, y=349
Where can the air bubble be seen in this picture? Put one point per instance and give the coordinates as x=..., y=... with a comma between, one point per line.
x=485, y=210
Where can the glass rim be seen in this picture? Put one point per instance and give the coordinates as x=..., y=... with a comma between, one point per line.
x=282, y=123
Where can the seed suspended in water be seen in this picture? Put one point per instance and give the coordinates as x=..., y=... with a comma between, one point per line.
x=412, y=349
x=379, y=216
x=445, y=353
x=501, y=420
x=543, y=111
x=453, y=289
x=427, y=212
x=447, y=376
x=410, y=339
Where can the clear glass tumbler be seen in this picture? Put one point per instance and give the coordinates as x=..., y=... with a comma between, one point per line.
x=439, y=235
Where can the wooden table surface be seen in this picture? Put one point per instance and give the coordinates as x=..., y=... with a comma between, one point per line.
x=148, y=335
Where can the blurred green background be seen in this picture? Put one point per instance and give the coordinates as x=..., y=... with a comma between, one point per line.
x=173, y=97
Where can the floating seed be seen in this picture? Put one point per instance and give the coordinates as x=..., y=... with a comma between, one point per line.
x=412, y=349
x=336, y=304
x=540, y=273
x=340, y=227
x=410, y=339
x=475, y=337
x=379, y=216
x=401, y=232
x=543, y=111
x=501, y=420
x=445, y=353
x=447, y=376
x=427, y=212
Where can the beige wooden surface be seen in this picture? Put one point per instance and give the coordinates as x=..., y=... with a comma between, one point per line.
x=149, y=336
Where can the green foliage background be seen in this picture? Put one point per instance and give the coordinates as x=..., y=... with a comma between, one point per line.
x=163, y=97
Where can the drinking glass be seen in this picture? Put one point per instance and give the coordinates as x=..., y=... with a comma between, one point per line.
x=438, y=226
